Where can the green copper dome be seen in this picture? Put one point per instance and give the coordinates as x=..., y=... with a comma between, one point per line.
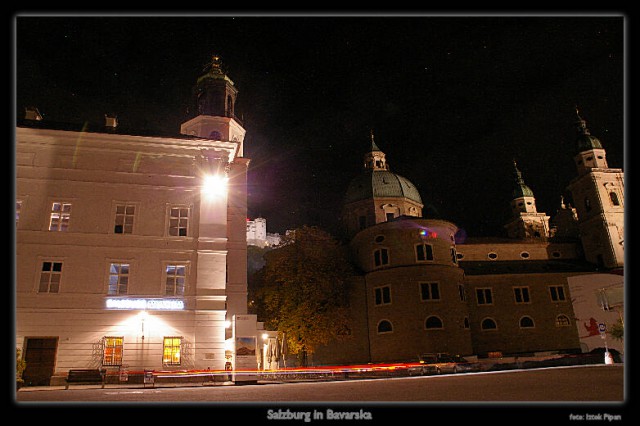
x=585, y=141
x=380, y=184
x=520, y=189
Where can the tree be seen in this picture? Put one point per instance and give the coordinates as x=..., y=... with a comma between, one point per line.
x=303, y=289
x=617, y=330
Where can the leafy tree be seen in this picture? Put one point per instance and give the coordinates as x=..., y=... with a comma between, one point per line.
x=617, y=330
x=302, y=289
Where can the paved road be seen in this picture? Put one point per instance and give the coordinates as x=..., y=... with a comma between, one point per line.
x=559, y=384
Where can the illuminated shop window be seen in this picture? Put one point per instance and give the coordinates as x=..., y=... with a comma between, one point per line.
x=381, y=257
x=60, y=216
x=50, y=276
x=171, y=350
x=429, y=291
x=424, y=252
x=557, y=293
x=112, y=354
x=124, y=219
x=382, y=295
x=118, y=278
x=178, y=221
x=521, y=294
x=175, y=279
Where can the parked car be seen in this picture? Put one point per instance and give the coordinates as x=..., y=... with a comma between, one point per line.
x=438, y=363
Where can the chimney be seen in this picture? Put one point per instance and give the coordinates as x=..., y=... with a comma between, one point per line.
x=32, y=113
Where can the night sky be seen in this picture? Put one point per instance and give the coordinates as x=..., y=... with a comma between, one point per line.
x=451, y=100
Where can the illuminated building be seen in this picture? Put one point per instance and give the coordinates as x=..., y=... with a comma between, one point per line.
x=131, y=249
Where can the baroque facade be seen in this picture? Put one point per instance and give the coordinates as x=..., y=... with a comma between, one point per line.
x=422, y=287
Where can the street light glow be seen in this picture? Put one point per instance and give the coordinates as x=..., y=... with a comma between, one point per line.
x=214, y=185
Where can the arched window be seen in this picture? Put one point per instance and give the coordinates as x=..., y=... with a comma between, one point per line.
x=526, y=322
x=433, y=322
x=385, y=326
x=562, y=321
x=215, y=135
x=614, y=198
x=488, y=324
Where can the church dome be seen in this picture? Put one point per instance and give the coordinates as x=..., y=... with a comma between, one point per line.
x=381, y=184
x=587, y=142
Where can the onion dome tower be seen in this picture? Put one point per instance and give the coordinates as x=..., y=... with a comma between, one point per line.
x=378, y=195
x=598, y=195
x=526, y=221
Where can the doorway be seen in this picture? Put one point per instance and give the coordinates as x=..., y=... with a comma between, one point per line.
x=40, y=356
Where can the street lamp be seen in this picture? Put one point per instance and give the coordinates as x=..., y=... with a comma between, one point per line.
x=214, y=185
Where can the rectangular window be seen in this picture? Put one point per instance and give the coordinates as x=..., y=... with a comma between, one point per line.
x=424, y=252
x=383, y=295
x=461, y=292
x=171, y=350
x=557, y=293
x=429, y=291
x=178, y=221
x=118, y=278
x=112, y=355
x=60, y=216
x=18, y=208
x=381, y=257
x=175, y=279
x=50, y=276
x=484, y=296
x=521, y=294
x=124, y=219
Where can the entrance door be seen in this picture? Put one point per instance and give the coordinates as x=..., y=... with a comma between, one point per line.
x=40, y=356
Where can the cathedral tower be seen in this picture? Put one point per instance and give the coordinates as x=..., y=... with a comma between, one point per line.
x=598, y=195
x=526, y=221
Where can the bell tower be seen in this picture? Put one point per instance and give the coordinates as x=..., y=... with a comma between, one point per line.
x=526, y=221
x=214, y=100
x=598, y=195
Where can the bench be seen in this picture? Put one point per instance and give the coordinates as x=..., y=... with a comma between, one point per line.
x=85, y=376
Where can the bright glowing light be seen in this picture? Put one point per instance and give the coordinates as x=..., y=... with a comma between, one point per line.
x=227, y=324
x=265, y=336
x=214, y=185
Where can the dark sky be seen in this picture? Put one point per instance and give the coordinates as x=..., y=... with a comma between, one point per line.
x=452, y=100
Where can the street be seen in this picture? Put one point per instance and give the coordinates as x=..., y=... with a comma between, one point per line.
x=593, y=392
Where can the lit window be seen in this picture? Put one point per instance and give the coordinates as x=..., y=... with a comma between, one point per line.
x=521, y=294
x=382, y=295
x=175, y=279
x=381, y=257
x=50, y=276
x=484, y=296
x=60, y=216
x=429, y=291
x=124, y=219
x=112, y=355
x=178, y=221
x=118, y=278
x=557, y=293
x=171, y=350
x=424, y=252
x=385, y=326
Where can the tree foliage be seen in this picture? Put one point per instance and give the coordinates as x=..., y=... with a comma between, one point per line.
x=302, y=289
x=617, y=330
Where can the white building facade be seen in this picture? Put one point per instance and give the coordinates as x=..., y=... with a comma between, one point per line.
x=130, y=250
